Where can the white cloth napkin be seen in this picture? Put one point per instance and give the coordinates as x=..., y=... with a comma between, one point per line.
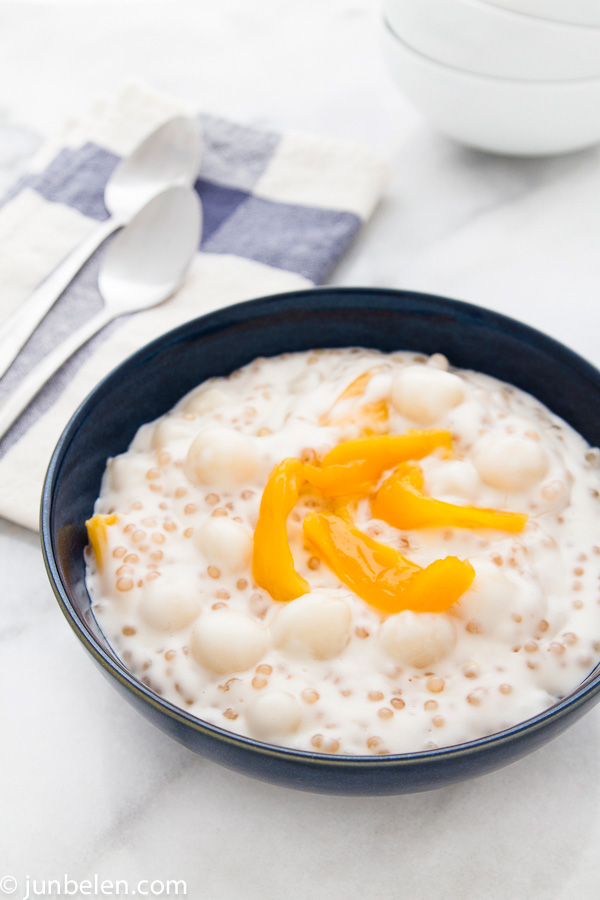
x=279, y=211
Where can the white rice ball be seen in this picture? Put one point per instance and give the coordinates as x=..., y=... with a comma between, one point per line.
x=168, y=607
x=509, y=462
x=222, y=457
x=494, y=598
x=224, y=543
x=225, y=641
x=273, y=714
x=453, y=479
x=417, y=639
x=316, y=624
x=424, y=394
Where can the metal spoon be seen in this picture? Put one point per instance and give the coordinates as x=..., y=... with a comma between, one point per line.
x=144, y=265
x=170, y=155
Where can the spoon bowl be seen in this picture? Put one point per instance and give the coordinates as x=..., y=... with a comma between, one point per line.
x=169, y=156
x=147, y=260
x=143, y=266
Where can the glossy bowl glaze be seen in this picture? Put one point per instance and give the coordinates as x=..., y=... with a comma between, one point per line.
x=150, y=382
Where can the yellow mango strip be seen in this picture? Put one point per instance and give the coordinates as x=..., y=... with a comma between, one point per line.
x=98, y=535
x=401, y=502
x=379, y=574
x=372, y=418
x=272, y=560
x=357, y=387
x=354, y=467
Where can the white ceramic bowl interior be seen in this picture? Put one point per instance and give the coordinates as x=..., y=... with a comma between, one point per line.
x=523, y=118
x=575, y=12
x=482, y=38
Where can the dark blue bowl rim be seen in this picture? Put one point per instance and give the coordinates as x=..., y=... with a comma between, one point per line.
x=220, y=319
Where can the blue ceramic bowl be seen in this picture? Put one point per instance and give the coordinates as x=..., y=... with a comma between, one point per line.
x=150, y=382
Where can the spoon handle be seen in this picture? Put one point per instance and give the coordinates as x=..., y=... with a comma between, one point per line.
x=20, y=399
x=17, y=330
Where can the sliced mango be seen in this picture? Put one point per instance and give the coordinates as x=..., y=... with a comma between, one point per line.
x=355, y=467
x=372, y=418
x=272, y=560
x=98, y=535
x=400, y=501
x=381, y=575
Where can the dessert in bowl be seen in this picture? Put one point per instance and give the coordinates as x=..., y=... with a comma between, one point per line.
x=267, y=647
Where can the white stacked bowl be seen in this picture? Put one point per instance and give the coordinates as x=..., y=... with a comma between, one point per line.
x=498, y=79
x=571, y=12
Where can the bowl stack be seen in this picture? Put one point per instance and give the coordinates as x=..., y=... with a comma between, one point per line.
x=510, y=76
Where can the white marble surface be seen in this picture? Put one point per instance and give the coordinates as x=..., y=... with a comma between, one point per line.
x=86, y=785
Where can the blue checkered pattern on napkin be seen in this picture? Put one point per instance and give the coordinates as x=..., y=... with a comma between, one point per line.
x=279, y=211
x=290, y=236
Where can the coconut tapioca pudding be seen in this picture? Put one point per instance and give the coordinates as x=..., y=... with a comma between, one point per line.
x=350, y=552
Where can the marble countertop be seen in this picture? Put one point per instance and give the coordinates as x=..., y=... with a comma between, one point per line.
x=87, y=787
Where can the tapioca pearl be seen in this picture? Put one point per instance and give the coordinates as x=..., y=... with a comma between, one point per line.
x=222, y=457
x=171, y=429
x=476, y=697
x=471, y=669
x=264, y=669
x=224, y=543
x=273, y=714
x=310, y=696
x=315, y=625
x=207, y=400
x=124, y=584
x=417, y=639
x=424, y=394
x=553, y=496
x=124, y=473
x=453, y=478
x=167, y=607
x=507, y=608
x=259, y=604
x=225, y=640
x=592, y=457
x=509, y=462
x=438, y=361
